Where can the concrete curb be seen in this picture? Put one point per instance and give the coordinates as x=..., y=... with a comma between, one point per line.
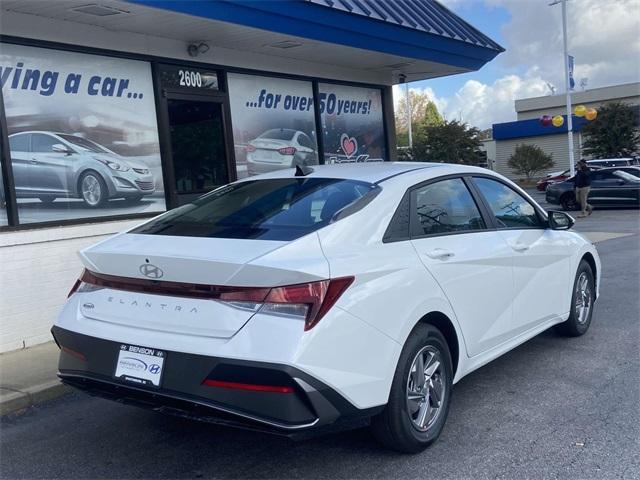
x=31, y=396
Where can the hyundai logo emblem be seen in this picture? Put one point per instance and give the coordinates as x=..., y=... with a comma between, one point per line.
x=154, y=368
x=151, y=271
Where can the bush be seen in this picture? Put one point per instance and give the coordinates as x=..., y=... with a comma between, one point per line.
x=528, y=160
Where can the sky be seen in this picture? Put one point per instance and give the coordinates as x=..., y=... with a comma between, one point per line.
x=604, y=38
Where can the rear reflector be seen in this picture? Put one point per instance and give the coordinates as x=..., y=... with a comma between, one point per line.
x=73, y=353
x=248, y=386
x=310, y=301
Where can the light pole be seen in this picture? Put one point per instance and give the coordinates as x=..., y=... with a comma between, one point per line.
x=567, y=84
x=409, y=114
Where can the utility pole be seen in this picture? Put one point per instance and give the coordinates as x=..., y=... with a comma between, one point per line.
x=409, y=114
x=567, y=84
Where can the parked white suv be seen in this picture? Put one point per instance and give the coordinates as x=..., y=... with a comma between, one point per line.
x=311, y=299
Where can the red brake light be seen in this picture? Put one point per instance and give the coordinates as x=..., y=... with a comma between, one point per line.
x=287, y=151
x=318, y=296
x=250, y=148
x=75, y=286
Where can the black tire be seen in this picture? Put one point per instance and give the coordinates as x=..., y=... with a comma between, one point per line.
x=47, y=200
x=578, y=324
x=101, y=198
x=395, y=427
x=568, y=202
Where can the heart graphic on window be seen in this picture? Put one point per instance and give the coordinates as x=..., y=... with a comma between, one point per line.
x=349, y=145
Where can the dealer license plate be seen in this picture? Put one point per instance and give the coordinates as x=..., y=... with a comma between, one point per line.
x=140, y=365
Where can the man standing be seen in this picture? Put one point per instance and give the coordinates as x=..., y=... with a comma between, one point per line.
x=582, y=186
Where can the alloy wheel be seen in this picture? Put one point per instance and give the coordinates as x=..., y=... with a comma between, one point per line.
x=425, y=388
x=91, y=190
x=584, y=298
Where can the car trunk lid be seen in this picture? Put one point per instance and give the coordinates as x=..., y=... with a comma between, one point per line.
x=144, y=269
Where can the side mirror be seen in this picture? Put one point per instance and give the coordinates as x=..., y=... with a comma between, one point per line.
x=60, y=148
x=560, y=220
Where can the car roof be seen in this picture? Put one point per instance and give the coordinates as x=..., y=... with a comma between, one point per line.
x=619, y=167
x=45, y=132
x=373, y=172
x=609, y=159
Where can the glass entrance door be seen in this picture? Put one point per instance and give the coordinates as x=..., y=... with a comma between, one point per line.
x=197, y=139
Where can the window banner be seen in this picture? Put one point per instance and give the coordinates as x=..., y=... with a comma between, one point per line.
x=352, y=124
x=273, y=123
x=82, y=133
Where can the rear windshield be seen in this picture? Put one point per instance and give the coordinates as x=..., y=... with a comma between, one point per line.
x=279, y=134
x=271, y=209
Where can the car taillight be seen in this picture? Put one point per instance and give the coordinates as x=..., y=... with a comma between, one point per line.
x=75, y=287
x=287, y=151
x=250, y=148
x=307, y=301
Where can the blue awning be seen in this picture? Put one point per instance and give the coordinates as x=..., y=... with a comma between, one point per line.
x=533, y=128
x=422, y=30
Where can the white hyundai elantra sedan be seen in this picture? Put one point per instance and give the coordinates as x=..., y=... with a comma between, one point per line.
x=311, y=299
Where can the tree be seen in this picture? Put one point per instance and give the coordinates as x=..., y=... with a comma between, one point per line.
x=528, y=160
x=449, y=142
x=422, y=110
x=613, y=133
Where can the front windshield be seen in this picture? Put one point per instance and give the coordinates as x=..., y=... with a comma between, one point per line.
x=84, y=144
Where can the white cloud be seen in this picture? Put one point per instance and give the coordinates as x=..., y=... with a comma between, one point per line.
x=480, y=104
x=604, y=38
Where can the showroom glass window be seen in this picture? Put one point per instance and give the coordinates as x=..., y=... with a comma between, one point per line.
x=352, y=123
x=510, y=208
x=3, y=203
x=445, y=207
x=273, y=123
x=82, y=133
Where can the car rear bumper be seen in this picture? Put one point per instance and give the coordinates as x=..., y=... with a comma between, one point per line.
x=88, y=363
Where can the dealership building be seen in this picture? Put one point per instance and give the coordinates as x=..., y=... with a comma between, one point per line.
x=528, y=130
x=113, y=111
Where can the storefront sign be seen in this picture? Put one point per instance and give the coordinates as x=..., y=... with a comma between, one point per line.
x=273, y=123
x=190, y=79
x=82, y=134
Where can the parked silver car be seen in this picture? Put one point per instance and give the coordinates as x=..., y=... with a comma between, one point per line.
x=48, y=165
x=280, y=148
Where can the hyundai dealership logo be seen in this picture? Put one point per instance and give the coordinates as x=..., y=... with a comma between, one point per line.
x=151, y=271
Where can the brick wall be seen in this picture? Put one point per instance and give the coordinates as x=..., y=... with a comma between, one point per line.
x=37, y=269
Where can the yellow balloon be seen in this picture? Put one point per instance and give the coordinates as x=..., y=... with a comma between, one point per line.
x=580, y=110
x=558, y=121
x=591, y=114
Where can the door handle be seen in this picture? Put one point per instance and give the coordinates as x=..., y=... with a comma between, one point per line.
x=439, y=254
x=33, y=161
x=520, y=247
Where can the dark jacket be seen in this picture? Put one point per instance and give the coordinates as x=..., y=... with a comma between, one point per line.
x=583, y=178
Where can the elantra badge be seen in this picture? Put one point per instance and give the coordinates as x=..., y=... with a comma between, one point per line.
x=151, y=271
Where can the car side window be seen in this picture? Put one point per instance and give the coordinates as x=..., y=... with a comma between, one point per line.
x=19, y=143
x=42, y=143
x=510, y=209
x=305, y=141
x=600, y=176
x=444, y=207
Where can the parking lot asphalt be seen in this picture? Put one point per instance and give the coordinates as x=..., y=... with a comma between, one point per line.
x=552, y=408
